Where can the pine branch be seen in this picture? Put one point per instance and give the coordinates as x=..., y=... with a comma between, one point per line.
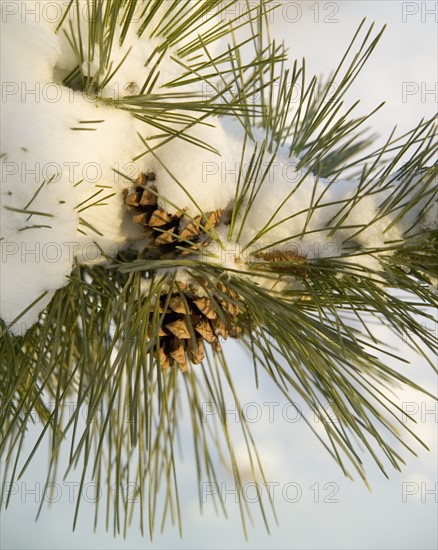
x=108, y=340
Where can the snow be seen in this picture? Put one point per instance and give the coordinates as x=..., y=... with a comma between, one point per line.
x=279, y=214
x=192, y=178
x=33, y=262
x=71, y=166
x=71, y=156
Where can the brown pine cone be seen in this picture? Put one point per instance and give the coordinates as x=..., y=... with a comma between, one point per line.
x=168, y=231
x=189, y=321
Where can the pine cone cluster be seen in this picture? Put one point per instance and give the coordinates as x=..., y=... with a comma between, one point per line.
x=189, y=320
x=168, y=231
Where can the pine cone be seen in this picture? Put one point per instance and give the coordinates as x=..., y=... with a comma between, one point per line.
x=168, y=230
x=282, y=261
x=188, y=321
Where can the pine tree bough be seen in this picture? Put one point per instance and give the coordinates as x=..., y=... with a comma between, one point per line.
x=234, y=213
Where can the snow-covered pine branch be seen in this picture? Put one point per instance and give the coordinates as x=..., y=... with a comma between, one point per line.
x=67, y=158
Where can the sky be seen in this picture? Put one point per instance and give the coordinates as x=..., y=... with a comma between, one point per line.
x=317, y=507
